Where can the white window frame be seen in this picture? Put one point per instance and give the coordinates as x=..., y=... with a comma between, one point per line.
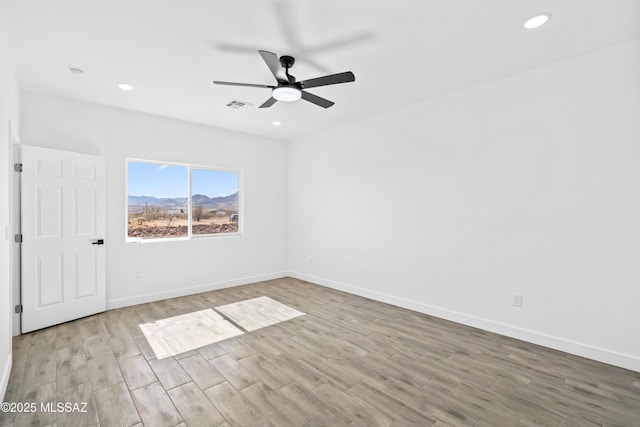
x=190, y=235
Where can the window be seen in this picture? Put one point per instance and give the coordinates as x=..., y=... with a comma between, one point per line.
x=166, y=201
x=215, y=201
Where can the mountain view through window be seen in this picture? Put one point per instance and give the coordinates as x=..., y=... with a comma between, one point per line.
x=159, y=206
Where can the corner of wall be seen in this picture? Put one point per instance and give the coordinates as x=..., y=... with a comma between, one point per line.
x=9, y=116
x=4, y=380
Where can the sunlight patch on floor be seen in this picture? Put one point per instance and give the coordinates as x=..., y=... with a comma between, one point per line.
x=258, y=312
x=179, y=334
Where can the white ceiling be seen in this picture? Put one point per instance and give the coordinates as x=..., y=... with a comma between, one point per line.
x=401, y=52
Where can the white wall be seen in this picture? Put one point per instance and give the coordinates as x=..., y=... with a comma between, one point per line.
x=172, y=268
x=527, y=185
x=9, y=118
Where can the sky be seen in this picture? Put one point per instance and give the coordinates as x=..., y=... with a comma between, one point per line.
x=165, y=181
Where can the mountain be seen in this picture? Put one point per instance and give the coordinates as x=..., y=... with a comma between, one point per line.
x=212, y=203
x=230, y=201
x=154, y=201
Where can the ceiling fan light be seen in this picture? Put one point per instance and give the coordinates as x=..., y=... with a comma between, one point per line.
x=287, y=94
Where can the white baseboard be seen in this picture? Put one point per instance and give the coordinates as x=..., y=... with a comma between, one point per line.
x=142, y=299
x=4, y=380
x=579, y=349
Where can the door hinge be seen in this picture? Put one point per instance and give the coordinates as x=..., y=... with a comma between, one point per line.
x=18, y=238
x=18, y=308
x=17, y=167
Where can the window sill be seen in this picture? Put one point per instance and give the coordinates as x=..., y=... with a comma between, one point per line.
x=138, y=240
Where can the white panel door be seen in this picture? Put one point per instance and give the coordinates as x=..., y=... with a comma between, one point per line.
x=63, y=225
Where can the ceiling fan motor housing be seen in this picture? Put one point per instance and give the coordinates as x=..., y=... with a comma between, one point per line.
x=287, y=61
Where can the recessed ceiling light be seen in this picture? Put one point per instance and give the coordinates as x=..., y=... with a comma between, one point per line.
x=76, y=71
x=537, y=21
x=125, y=86
x=276, y=123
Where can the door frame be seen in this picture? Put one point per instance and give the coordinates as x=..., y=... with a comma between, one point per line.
x=15, y=259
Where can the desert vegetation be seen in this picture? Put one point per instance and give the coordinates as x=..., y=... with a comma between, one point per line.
x=154, y=222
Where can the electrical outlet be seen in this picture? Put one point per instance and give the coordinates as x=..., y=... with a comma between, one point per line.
x=517, y=300
x=140, y=276
x=310, y=261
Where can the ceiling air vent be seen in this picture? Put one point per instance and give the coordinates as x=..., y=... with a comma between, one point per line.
x=239, y=105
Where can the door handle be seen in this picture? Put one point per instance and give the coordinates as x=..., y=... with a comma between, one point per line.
x=98, y=242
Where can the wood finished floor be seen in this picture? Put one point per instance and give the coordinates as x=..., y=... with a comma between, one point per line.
x=348, y=362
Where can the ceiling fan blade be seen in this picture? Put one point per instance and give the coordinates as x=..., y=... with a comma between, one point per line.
x=286, y=24
x=269, y=102
x=358, y=38
x=333, y=79
x=242, y=84
x=274, y=65
x=229, y=47
x=312, y=63
x=315, y=99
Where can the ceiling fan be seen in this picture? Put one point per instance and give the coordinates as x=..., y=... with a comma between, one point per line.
x=287, y=22
x=288, y=89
